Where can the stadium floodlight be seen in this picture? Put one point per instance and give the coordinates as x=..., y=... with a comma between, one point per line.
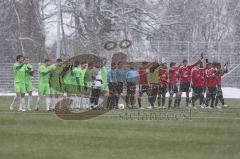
x=58, y=28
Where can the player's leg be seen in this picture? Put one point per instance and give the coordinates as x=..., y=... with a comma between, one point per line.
x=22, y=105
x=18, y=95
x=128, y=95
x=140, y=96
x=29, y=101
x=132, y=97
x=187, y=89
x=48, y=99
x=159, y=96
x=170, y=88
x=40, y=94
x=164, y=96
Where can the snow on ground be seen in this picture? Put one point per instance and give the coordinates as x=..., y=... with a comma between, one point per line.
x=228, y=92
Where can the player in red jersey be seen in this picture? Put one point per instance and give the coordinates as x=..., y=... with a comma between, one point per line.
x=219, y=73
x=198, y=81
x=143, y=72
x=163, y=74
x=210, y=81
x=185, y=80
x=143, y=82
x=172, y=83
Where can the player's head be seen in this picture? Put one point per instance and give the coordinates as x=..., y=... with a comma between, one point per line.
x=172, y=64
x=76, y=63
x=185, y=62
x=26, y=59
x=218, y=65
x=120, y=64
x=131, y=66
x=200, y=65
x=144, y=63
x=20, y=58
x=90, y=66
x=164, y=65
x=209, y=65
x=58, y=61
x=113, y=65
x=47, y=62
x=84, y=65
x=214, y=64
x=104, y=61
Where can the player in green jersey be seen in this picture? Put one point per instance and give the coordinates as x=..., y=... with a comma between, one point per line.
x=43, y=84
x=55, y=82
x=28, y=81
x=19, y=82
x=79, y=73
x=88, y=82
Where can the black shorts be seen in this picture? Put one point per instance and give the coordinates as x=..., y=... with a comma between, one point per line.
x=212, y=90
x=185, y=87
x=162, y=89
x=198, y=89
x=143, y=88
x=131, y=88
x=219, y=90
x=119, y=87
x=153, y=86
x=172, y=88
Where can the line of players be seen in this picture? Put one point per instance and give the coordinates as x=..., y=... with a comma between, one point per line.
x=151, y=78
x=156, y=80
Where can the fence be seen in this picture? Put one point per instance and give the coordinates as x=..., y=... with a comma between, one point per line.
x=169, y=50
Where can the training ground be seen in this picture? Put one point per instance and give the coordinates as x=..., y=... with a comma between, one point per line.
x=213, y=134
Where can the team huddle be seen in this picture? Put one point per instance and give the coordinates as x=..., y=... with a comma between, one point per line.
x=86, y=82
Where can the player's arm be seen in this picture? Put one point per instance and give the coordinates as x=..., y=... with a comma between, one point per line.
x=19, y=67
x=195, y=64
x=44, y=73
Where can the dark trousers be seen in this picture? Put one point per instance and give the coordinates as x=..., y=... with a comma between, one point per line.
x=211, y=93
x=153, y=91
x=197, y=94
x=111, y=101
x=162, y=95
x=95, y=96
x=130, y=97
x=219, y=96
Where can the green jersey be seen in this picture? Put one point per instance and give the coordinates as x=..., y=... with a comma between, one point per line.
x=55, y=75
x=79, y=74
x=154, y=76
x=19, y=72
x=88, y=77
x=69, y=78
x=104, y=78
x=29, y=73
x=43, y=74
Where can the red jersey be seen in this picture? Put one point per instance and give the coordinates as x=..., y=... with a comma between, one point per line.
x=143, y=76
x=163, y=73
x=173, y=75
x=219, y=76
x=198, y=77
x=185, y=73
x=210, y=80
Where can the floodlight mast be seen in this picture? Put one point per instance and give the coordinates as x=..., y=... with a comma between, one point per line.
x=58, y=29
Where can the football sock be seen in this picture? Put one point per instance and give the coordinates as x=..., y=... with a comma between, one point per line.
x=29, y=102
x=14, y=100
x=38, y=101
